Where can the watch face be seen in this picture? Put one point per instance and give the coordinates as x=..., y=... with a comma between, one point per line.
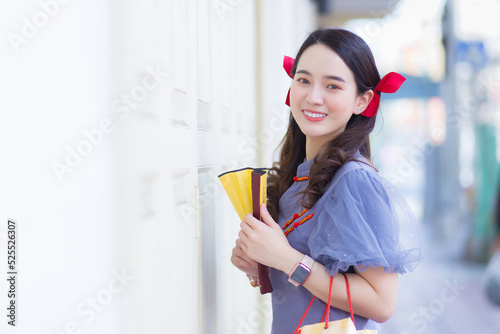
x=300, y=274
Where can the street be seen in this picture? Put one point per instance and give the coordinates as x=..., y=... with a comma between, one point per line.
x=443, y=295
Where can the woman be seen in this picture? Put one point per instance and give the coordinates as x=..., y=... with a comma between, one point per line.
x=328, y=210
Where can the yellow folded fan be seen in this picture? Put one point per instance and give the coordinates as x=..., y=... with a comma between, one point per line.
x=247, y=190
x=239, y=185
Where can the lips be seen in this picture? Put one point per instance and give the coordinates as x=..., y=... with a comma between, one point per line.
x=313, y=116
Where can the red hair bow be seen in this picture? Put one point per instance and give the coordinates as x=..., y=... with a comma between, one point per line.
x=288, y=65
x=390, y=83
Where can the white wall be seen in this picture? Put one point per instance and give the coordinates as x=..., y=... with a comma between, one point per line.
x=143, y=203
x=57, y=83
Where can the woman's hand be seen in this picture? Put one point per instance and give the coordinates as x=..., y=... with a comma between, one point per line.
x=264, y=242
x=241, y=261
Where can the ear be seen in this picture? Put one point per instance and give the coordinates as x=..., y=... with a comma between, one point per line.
x=362, y=101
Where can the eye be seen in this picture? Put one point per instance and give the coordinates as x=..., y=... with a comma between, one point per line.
x=303, y=80
x=333, y=87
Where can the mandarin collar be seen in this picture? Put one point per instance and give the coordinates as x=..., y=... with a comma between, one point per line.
x=303, y=168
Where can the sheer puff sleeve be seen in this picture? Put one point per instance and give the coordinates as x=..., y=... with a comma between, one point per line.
x=365, y=223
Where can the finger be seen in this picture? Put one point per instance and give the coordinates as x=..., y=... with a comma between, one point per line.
x=243, y=237
x=243, y=263
x=237, y=250
x=243, y=246
x=241, y=254
x=251, y=262
x=266, y=216
x=250, y=220
x=246, y=228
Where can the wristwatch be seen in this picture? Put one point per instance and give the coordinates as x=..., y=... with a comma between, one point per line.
x=301, y=271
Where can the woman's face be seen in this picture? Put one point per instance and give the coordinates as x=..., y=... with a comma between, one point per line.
x=323, y=94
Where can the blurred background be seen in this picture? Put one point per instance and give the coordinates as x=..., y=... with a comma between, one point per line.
x=118, y=116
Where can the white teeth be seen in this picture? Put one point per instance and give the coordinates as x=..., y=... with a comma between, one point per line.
x=313, y=114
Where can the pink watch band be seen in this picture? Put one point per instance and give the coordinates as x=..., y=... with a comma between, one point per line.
x=307, y=261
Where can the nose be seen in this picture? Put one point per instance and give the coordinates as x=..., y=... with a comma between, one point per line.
x=315, y=96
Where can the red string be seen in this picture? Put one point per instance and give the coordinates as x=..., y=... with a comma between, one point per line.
x=349, y=297
x=328, y=305
x=323, y=316
x=304, y=315
x=327, y=308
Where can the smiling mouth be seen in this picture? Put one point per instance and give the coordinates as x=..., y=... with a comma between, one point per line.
x=313, y=114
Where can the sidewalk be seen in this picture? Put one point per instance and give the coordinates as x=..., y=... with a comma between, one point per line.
x=443, y=295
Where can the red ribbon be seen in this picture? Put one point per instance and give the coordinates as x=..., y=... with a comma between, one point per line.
x=390, y=83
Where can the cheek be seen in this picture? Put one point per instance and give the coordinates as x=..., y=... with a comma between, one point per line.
x=296, y=94
x=295, y=102
x=340, y=103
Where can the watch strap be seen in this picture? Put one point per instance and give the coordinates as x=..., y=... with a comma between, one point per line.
x=307, y=261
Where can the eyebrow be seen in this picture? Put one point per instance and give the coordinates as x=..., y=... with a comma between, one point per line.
x=333, y=77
